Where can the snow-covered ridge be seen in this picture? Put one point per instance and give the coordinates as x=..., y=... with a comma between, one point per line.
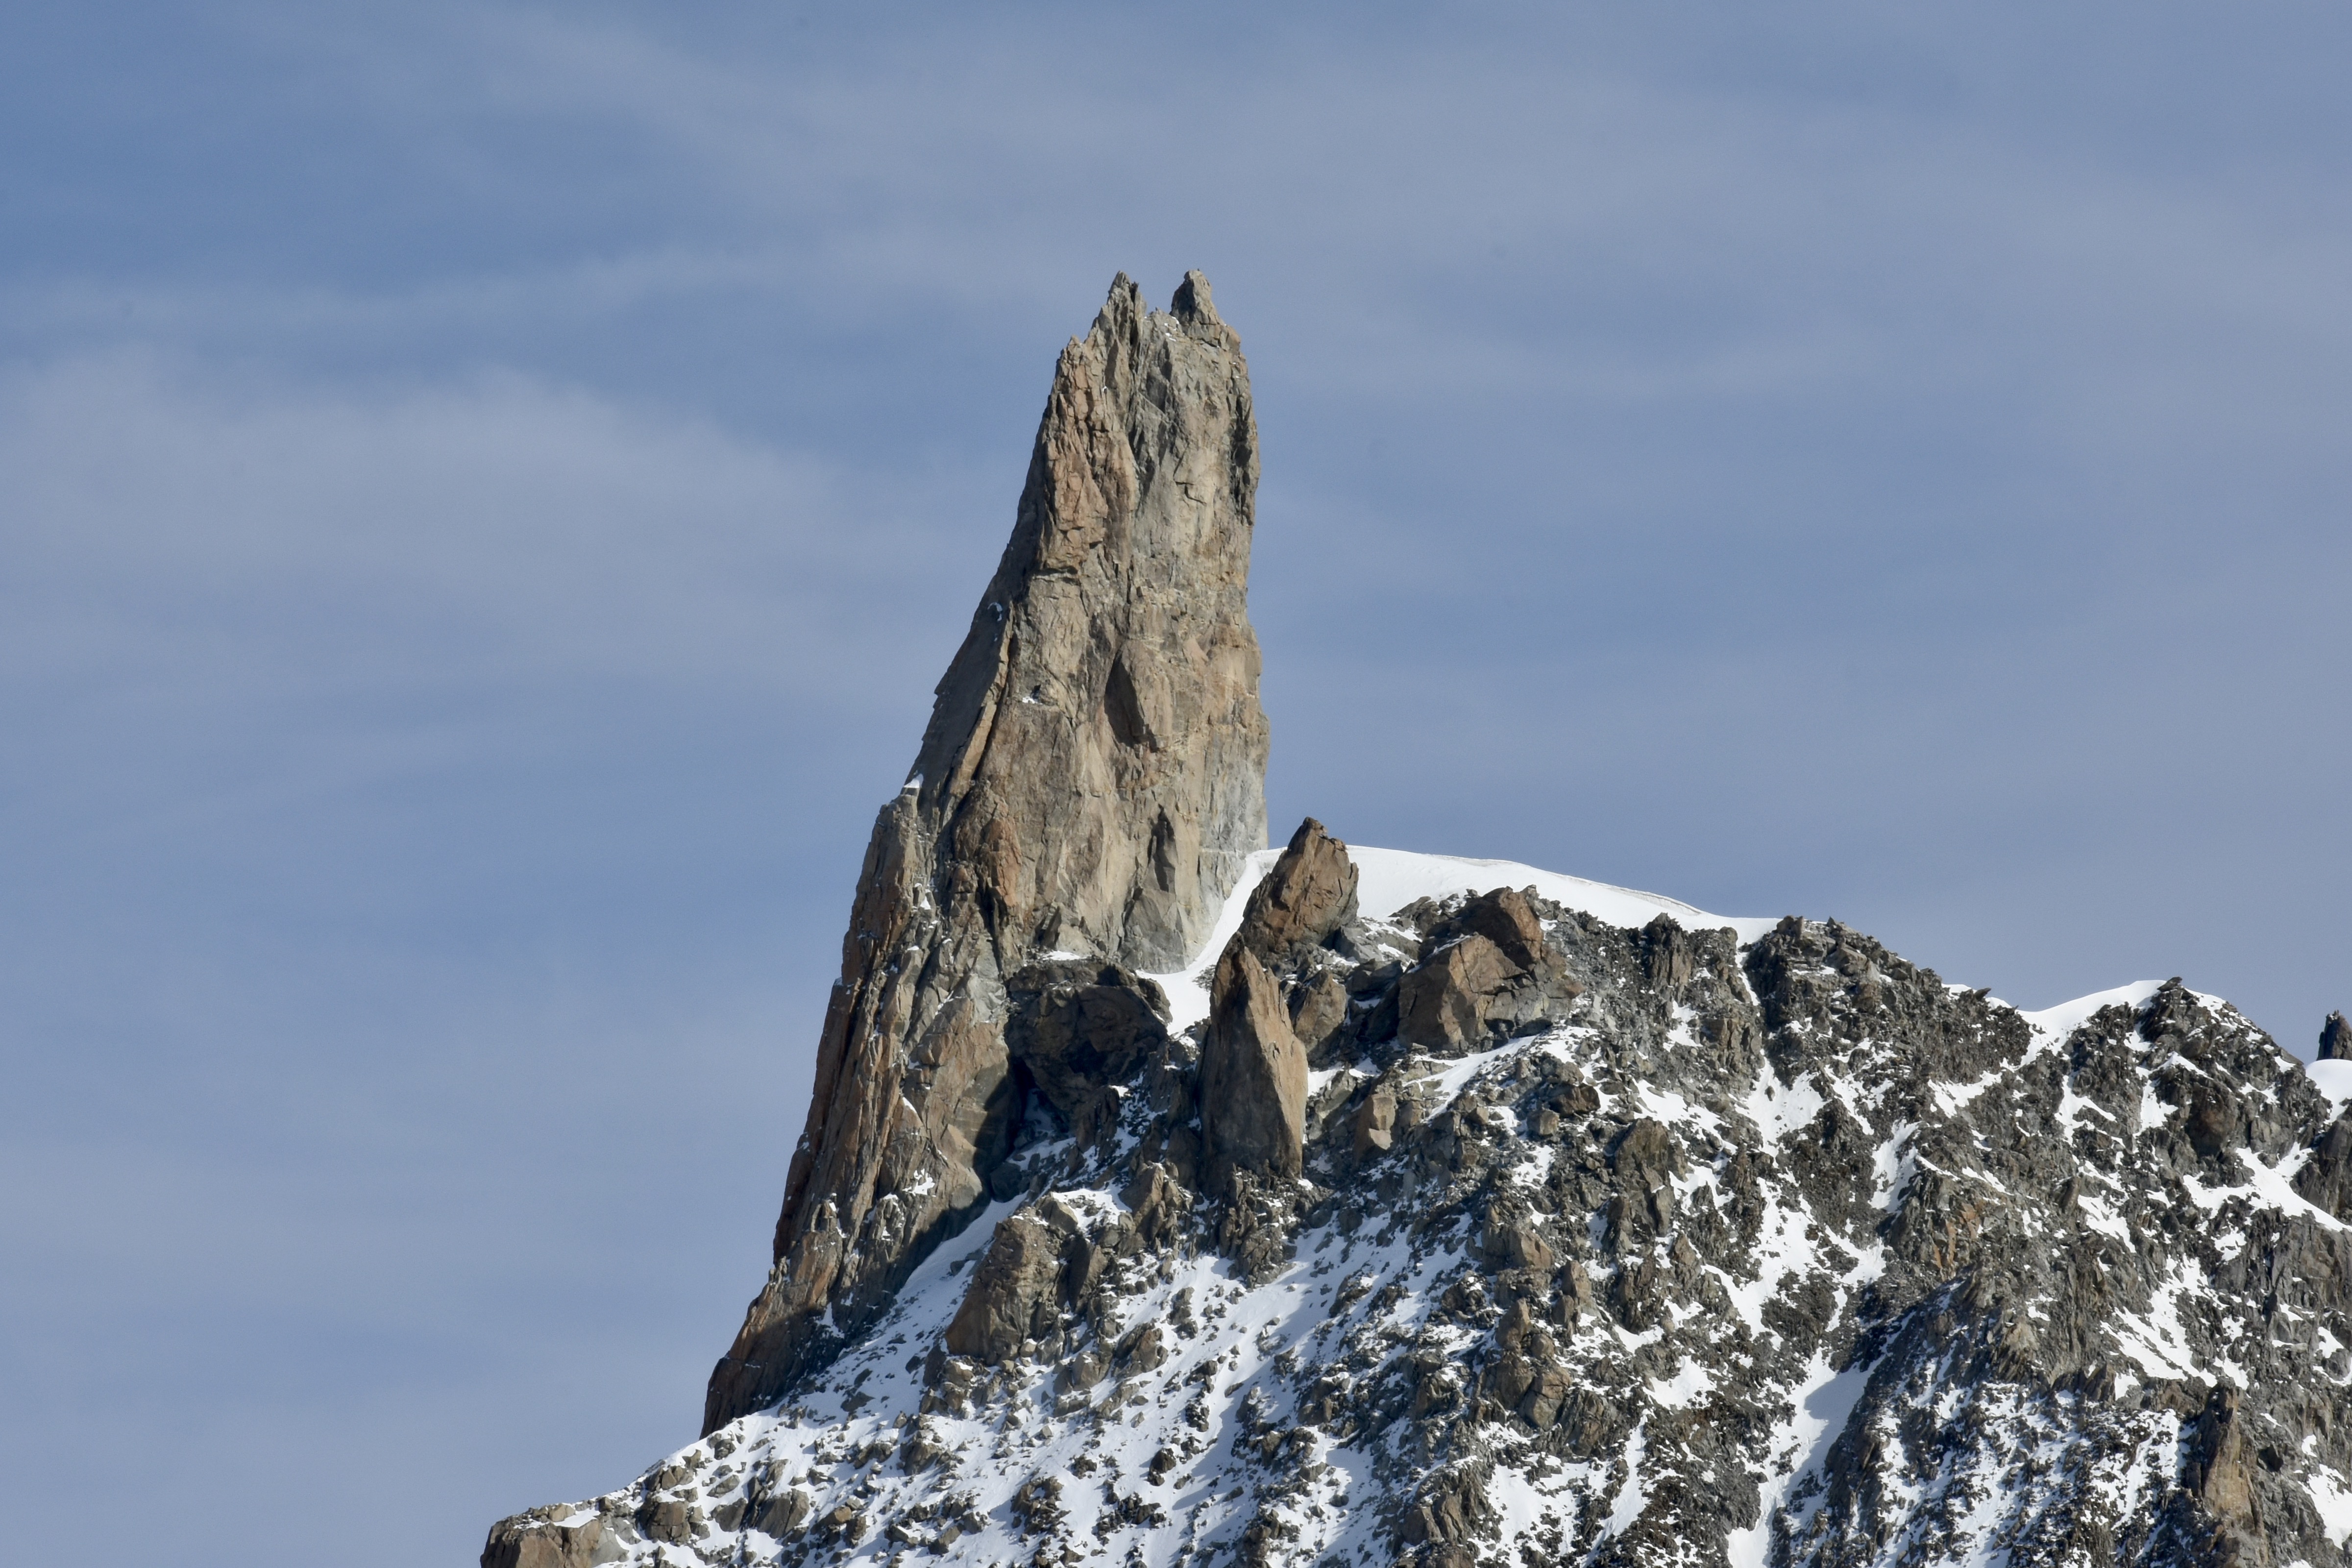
x=1388, y=879
x=1757, y=1246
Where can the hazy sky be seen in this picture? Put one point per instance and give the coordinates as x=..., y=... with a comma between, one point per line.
x=486, y=490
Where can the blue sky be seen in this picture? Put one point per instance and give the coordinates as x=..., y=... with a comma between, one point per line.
x=489, y=490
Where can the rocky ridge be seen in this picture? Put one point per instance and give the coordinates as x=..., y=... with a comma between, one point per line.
x=1460, y=1213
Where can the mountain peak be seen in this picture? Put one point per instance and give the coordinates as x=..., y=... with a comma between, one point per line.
x=1168, y=1201
x=1091, y=782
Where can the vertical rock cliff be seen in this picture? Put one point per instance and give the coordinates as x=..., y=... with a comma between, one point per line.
x=1090, y=787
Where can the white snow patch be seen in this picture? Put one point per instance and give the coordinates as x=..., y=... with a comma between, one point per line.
x=1823, y=1400
x=1457, y=1074
x=2333, y=1080
x=1631, y=1497
x=2269, y=1187
x=2100, y=1217
x=2054, y=1024
x=1391, y=879
x=2332, y=1499
x=2157, y=1340
x=1779, y=1112
x=1666, y=1106
x=1690, y=1380
x=1893, y=1165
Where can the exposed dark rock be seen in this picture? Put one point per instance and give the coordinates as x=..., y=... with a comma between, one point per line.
x=1319, y=1011
x=2336, y=1040
x=1507, y=919
x=1442, y=1004
x=2327, y=1180
x=1081, y=1030
x=1487, y=969
x=1014, y=1292
x=784, y=1513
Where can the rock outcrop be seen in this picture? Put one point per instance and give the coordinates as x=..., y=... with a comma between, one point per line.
x=1014, y=1293
x=1253, y=1093
x=1486, y=970
x=1309, y=893
x=1091, y=784
x=1252, y=1075
x=546, y=1540
x=2336, y=1040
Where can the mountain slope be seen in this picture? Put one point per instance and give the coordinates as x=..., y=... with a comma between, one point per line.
x=1783, y=1250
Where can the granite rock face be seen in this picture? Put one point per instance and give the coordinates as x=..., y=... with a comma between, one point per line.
x=1254, y=1073
x=1090, y=784
x=1309, y=893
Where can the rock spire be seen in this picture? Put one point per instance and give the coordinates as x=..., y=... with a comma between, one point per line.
x=2336, y=1040
x=1090, y=787
x=1254, y=1072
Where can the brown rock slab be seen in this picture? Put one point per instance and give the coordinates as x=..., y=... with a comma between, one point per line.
x=1309, y=893
x=1374, y=1129
x=525, y=1542
x=1317, y=1010
x=1013, y=1291
x=1442, y=1004
x=1505, y=918
x=1253, y=1073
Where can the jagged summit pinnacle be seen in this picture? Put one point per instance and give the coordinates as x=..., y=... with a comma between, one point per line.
x=1191, y=304
x=1091, y=781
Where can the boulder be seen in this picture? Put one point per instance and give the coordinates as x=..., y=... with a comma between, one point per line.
x=1317, y=1012
x=667, y=1518
x=1442, y=1004
x=527, y=1541
x=1253, y=1073
x=1505, y=917
x=1156, y=1207
x=1374, y=1130
x=1309, y=893
x=782, y=1513
x=1014, y=1292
